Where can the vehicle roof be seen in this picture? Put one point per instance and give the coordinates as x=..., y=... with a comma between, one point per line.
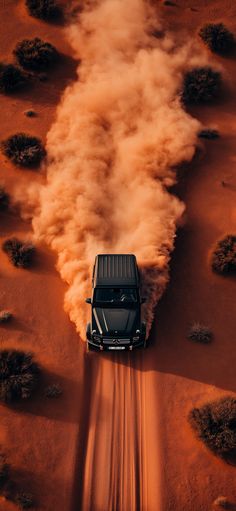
x=115, y=270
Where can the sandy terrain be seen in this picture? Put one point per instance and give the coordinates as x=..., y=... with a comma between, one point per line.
x=118, y=438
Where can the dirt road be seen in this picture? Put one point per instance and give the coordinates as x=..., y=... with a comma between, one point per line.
x=120, y=446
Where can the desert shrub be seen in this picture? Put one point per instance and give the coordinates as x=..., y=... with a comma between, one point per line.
x=201, y=85
x=35, y=54
x=30, y=113
x=215, y=425
x=217, y=37
x=25, y=500
x=222, y=502
x=5, y=316
x=200, y=333
x=224, y=256
x=20, y=254
x=53, y=390
x=24, y=150
x=18, y=375
x=12, y=78
x=47, y=10
x=209, y=134
x=4, y=200
x=4, y=472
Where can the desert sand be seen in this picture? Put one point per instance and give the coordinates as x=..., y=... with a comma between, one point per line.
x=118, y=439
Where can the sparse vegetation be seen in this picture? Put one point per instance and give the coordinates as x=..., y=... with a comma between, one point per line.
x=215, y=425
x=4, y=200
x=24, y=150
x=209, y=134
x=47, y=10
x=201, y=85
x=12, y=78
x=35, y=54
x=224, y=256
x=200, y=333
x=18, y=375
x=20, y=254
x=217, y=37
x=25, y=500
x=5, y=316
x=30, y=113
x=222, y=502
x=53, y=391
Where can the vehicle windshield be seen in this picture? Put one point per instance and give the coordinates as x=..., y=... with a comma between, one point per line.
x=114, y=295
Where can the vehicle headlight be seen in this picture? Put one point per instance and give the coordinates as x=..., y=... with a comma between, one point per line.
x=136, y=338
x=96, y=338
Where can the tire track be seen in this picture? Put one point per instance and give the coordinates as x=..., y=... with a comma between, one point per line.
x=115, y=476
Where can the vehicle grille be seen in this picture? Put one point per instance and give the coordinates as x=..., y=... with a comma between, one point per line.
x=117, y=341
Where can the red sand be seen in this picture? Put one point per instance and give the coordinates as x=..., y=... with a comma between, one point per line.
x=118, y=439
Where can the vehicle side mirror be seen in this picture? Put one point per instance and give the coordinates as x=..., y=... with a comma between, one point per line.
x=143, y=300
x=88, y=300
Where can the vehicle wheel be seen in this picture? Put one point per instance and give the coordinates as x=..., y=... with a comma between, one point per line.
x=88, y=331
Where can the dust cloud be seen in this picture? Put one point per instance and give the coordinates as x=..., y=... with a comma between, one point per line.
x=119, y=136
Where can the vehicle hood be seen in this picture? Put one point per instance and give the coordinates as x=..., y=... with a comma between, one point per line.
x=114, y=321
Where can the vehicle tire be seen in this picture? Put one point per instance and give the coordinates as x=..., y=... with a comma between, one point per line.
x=88, y=331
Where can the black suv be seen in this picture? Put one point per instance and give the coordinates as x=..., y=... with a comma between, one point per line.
x=116, y=304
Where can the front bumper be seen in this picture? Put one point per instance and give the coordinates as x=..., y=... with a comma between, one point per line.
x=116, y=344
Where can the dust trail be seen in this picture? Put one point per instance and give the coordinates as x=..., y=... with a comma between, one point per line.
x=113, y=151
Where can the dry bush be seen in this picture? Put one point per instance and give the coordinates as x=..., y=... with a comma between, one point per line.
x=24, y=150
x=201, y=85
x=200, y=333
x=35, y=54
x=12, y=78
x=215, y=425
x=5, y=316
x=224, y=256
x=48, y=10
x=25, y=500
x=4, y=200
x=53, y=390
x=209, y=134
x=18, y=375
x=217, y=37
x=20, y=254
x=222, y=502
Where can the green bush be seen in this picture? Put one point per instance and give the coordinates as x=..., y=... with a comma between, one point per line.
x=20, y=254
x=201, y=85
x=25, y=500
x=12, y=78
x=35, y=54
x=217, y=37
x=53, y=391
x=215, y=425
x=200, y=333
x=47, y=10
x=18, y=375
x=224, y=256
x=24, y=150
